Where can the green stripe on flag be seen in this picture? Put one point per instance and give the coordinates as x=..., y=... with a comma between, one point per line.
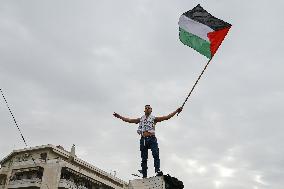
x=200, y=45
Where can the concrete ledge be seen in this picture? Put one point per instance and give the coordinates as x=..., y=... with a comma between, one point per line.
x=156, y=182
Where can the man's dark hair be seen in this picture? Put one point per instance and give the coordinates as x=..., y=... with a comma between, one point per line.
x=147, y=105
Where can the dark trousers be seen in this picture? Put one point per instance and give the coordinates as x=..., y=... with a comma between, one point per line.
x=145, y=144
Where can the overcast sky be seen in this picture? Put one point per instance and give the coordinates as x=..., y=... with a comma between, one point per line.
x=66, y=66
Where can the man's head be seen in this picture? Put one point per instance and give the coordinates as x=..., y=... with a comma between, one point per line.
x=148, y=110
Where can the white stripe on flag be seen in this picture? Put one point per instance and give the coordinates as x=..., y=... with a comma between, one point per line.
x=194, y=27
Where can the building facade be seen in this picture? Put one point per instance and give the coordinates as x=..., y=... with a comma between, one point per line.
x=52, y=167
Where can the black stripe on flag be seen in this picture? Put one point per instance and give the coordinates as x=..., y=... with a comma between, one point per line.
x=201, y=15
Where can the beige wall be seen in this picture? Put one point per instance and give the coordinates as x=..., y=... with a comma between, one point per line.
x=51, y=175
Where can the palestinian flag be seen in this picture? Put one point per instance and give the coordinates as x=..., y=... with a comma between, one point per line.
x=202, y=31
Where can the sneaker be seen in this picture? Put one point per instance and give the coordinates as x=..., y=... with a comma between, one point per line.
x=159, y=173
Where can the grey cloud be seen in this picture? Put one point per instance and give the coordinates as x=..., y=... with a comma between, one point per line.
x=66, y=67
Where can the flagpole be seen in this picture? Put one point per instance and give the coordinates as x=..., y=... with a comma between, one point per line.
x=196, y=82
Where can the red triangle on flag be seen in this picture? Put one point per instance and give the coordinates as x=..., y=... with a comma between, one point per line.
x=216, y=39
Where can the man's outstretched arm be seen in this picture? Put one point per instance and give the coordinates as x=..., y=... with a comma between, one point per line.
x=163, y=118
x=128, y=120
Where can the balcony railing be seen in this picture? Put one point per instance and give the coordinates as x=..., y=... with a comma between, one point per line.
x=63, y=183
x=35, y=182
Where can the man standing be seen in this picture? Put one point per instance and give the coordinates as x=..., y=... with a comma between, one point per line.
x=148, y=140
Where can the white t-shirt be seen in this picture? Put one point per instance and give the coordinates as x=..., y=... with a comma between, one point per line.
x=146, y=124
